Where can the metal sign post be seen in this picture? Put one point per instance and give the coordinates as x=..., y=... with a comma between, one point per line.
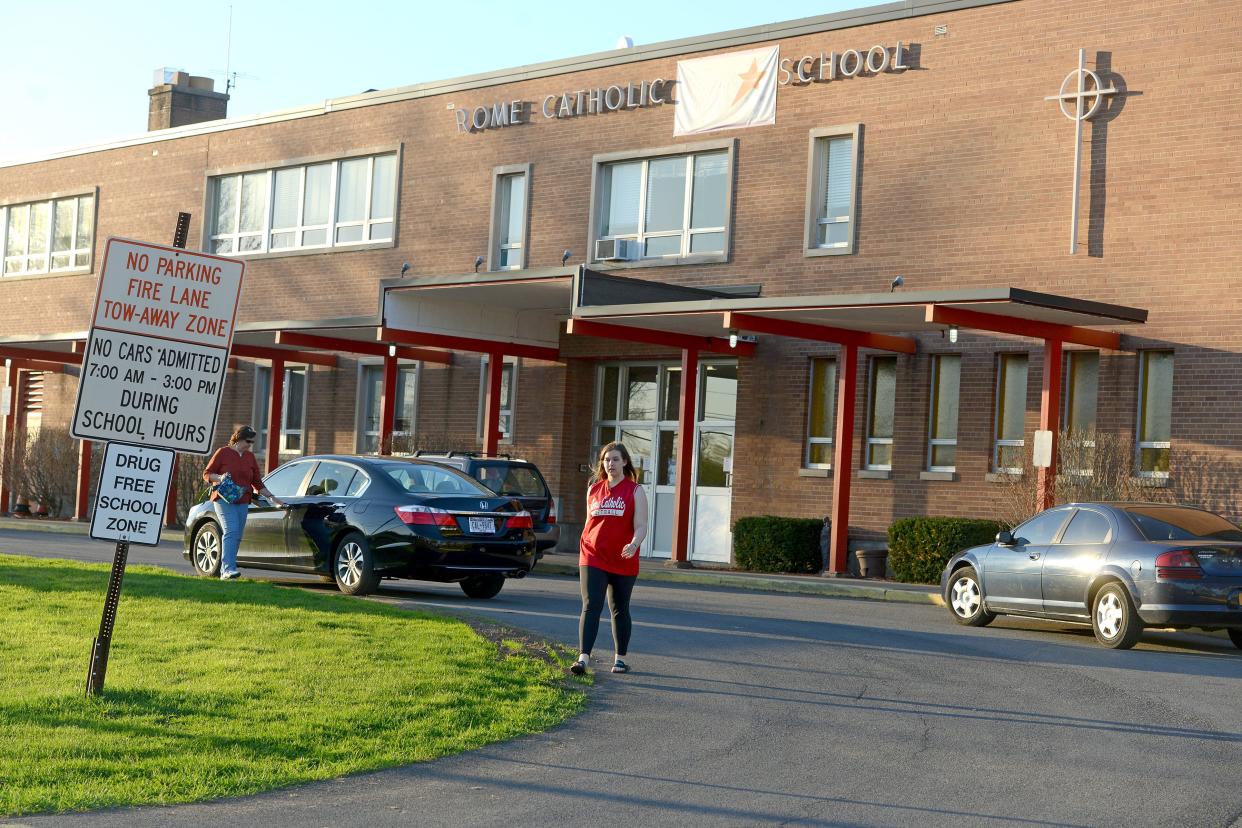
x=151, y=376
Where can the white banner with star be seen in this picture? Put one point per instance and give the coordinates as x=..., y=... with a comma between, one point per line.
x=727, y=91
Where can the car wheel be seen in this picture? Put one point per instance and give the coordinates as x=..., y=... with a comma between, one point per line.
x=965, y=599
x=1113, y=618
x=483, y=586
x=1235, y=635
x=206, y=549
x=354, y=567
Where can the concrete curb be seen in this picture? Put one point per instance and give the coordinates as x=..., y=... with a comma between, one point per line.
x=69, y=527
x=802, y=585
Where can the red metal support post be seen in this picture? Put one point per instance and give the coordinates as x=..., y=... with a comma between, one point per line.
x=81, y=506
x=170, y=506
x=843, y=462
x=491, y=403
x=1049, y=420
x=684, y=483
x=10, y=441
x=275, y=409
x=388, y=407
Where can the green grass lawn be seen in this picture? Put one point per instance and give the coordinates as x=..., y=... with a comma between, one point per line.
x=228, y=688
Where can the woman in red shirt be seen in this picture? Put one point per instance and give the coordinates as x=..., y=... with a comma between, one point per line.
x=616, y=525
x=238, y=462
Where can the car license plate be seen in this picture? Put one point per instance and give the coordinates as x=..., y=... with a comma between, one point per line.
x=482, y=524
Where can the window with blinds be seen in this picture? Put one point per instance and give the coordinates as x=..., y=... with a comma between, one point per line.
x=1155, y=415
x=881, y=413
x=1009, y=448
x=942, y=421
x=52, y=236
x=674, y=205
x=509, y=212
x=831, y=190
x=821, y=414
x=331, y=204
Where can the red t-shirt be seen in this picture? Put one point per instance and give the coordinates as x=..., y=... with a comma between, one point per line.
x=243, y=468
x=609, y=527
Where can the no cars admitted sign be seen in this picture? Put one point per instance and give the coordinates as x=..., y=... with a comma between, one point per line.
x=158, y=349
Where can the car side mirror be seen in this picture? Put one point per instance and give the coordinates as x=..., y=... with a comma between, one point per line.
x=1004, y=538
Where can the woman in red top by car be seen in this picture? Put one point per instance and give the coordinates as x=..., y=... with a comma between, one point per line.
x=237, y=461
x=616, y=525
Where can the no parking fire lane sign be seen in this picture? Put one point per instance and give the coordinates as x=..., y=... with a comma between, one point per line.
x=158, y=350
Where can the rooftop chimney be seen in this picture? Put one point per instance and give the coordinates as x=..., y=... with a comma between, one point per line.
x=178, y=99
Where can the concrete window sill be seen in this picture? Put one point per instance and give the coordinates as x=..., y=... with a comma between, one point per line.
x=875, y=474
x=943, y=476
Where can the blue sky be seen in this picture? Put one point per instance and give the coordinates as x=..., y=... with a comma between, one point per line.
x=75, y=73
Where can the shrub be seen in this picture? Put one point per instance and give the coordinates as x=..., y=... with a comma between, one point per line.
x=48, y=469
x=919, y=547
x=777, y=544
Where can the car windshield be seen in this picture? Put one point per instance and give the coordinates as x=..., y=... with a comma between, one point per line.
x=431, y=479
x=513, y=481
x=1159, y=523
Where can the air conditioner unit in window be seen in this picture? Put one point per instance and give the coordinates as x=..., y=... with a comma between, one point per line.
x=616, y=250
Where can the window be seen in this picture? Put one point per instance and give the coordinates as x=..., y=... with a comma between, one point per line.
x=942, y=423
x=509, y=211
x=881, y=405
x=323, y=205
x=821, y=420
x=334, y=479
x=1009, y=451
x=830, y=191
x=673, y=205
x=286, y=481
x=508, y=390
x=1082, y=383
x=52, y=236
x=1043, y=528
x=1087, y=526
x=294, y=408
x=370, y=406
x=1155, y=412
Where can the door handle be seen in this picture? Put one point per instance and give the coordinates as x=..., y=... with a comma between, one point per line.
x=1034, y=556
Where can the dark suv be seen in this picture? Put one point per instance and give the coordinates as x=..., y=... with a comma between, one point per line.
x=510, y=477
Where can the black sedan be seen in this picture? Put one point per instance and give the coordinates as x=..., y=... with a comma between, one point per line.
x=1119, y=567
x=356, y=520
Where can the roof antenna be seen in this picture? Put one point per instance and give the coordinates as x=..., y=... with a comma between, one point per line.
x=230, y=78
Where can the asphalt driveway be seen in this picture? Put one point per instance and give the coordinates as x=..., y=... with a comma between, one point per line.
x=749, y=708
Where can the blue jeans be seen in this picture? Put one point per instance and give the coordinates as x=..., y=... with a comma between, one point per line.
x=232, y=517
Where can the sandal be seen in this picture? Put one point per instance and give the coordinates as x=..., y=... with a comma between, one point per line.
x=620, y=666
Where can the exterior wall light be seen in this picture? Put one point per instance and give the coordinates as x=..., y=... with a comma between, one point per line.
x=953, y=333
x=732, y=338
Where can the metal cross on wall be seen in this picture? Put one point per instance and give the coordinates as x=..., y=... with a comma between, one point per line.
x=1087, y=99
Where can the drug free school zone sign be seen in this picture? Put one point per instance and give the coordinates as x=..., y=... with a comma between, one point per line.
x=158, y=348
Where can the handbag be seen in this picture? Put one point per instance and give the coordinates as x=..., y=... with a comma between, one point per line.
x=227, y=490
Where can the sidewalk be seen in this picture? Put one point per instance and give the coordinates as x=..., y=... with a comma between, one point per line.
x=559, y=563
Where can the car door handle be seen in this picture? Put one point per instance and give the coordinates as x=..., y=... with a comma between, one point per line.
x=1034, y=556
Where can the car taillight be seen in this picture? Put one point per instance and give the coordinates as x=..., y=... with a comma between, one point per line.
x=521, y=520
x=551, y=514
x=424, y=516
x=1178, y=564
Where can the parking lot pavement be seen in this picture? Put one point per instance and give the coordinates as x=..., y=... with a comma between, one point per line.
x=760, y=708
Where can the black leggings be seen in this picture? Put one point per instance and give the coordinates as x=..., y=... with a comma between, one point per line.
x=593, y=583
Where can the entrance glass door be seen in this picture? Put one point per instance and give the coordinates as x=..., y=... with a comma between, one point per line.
x=638, y=405
x=713, y=473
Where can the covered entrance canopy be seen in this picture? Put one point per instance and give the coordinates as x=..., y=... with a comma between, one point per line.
x=877, y=321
